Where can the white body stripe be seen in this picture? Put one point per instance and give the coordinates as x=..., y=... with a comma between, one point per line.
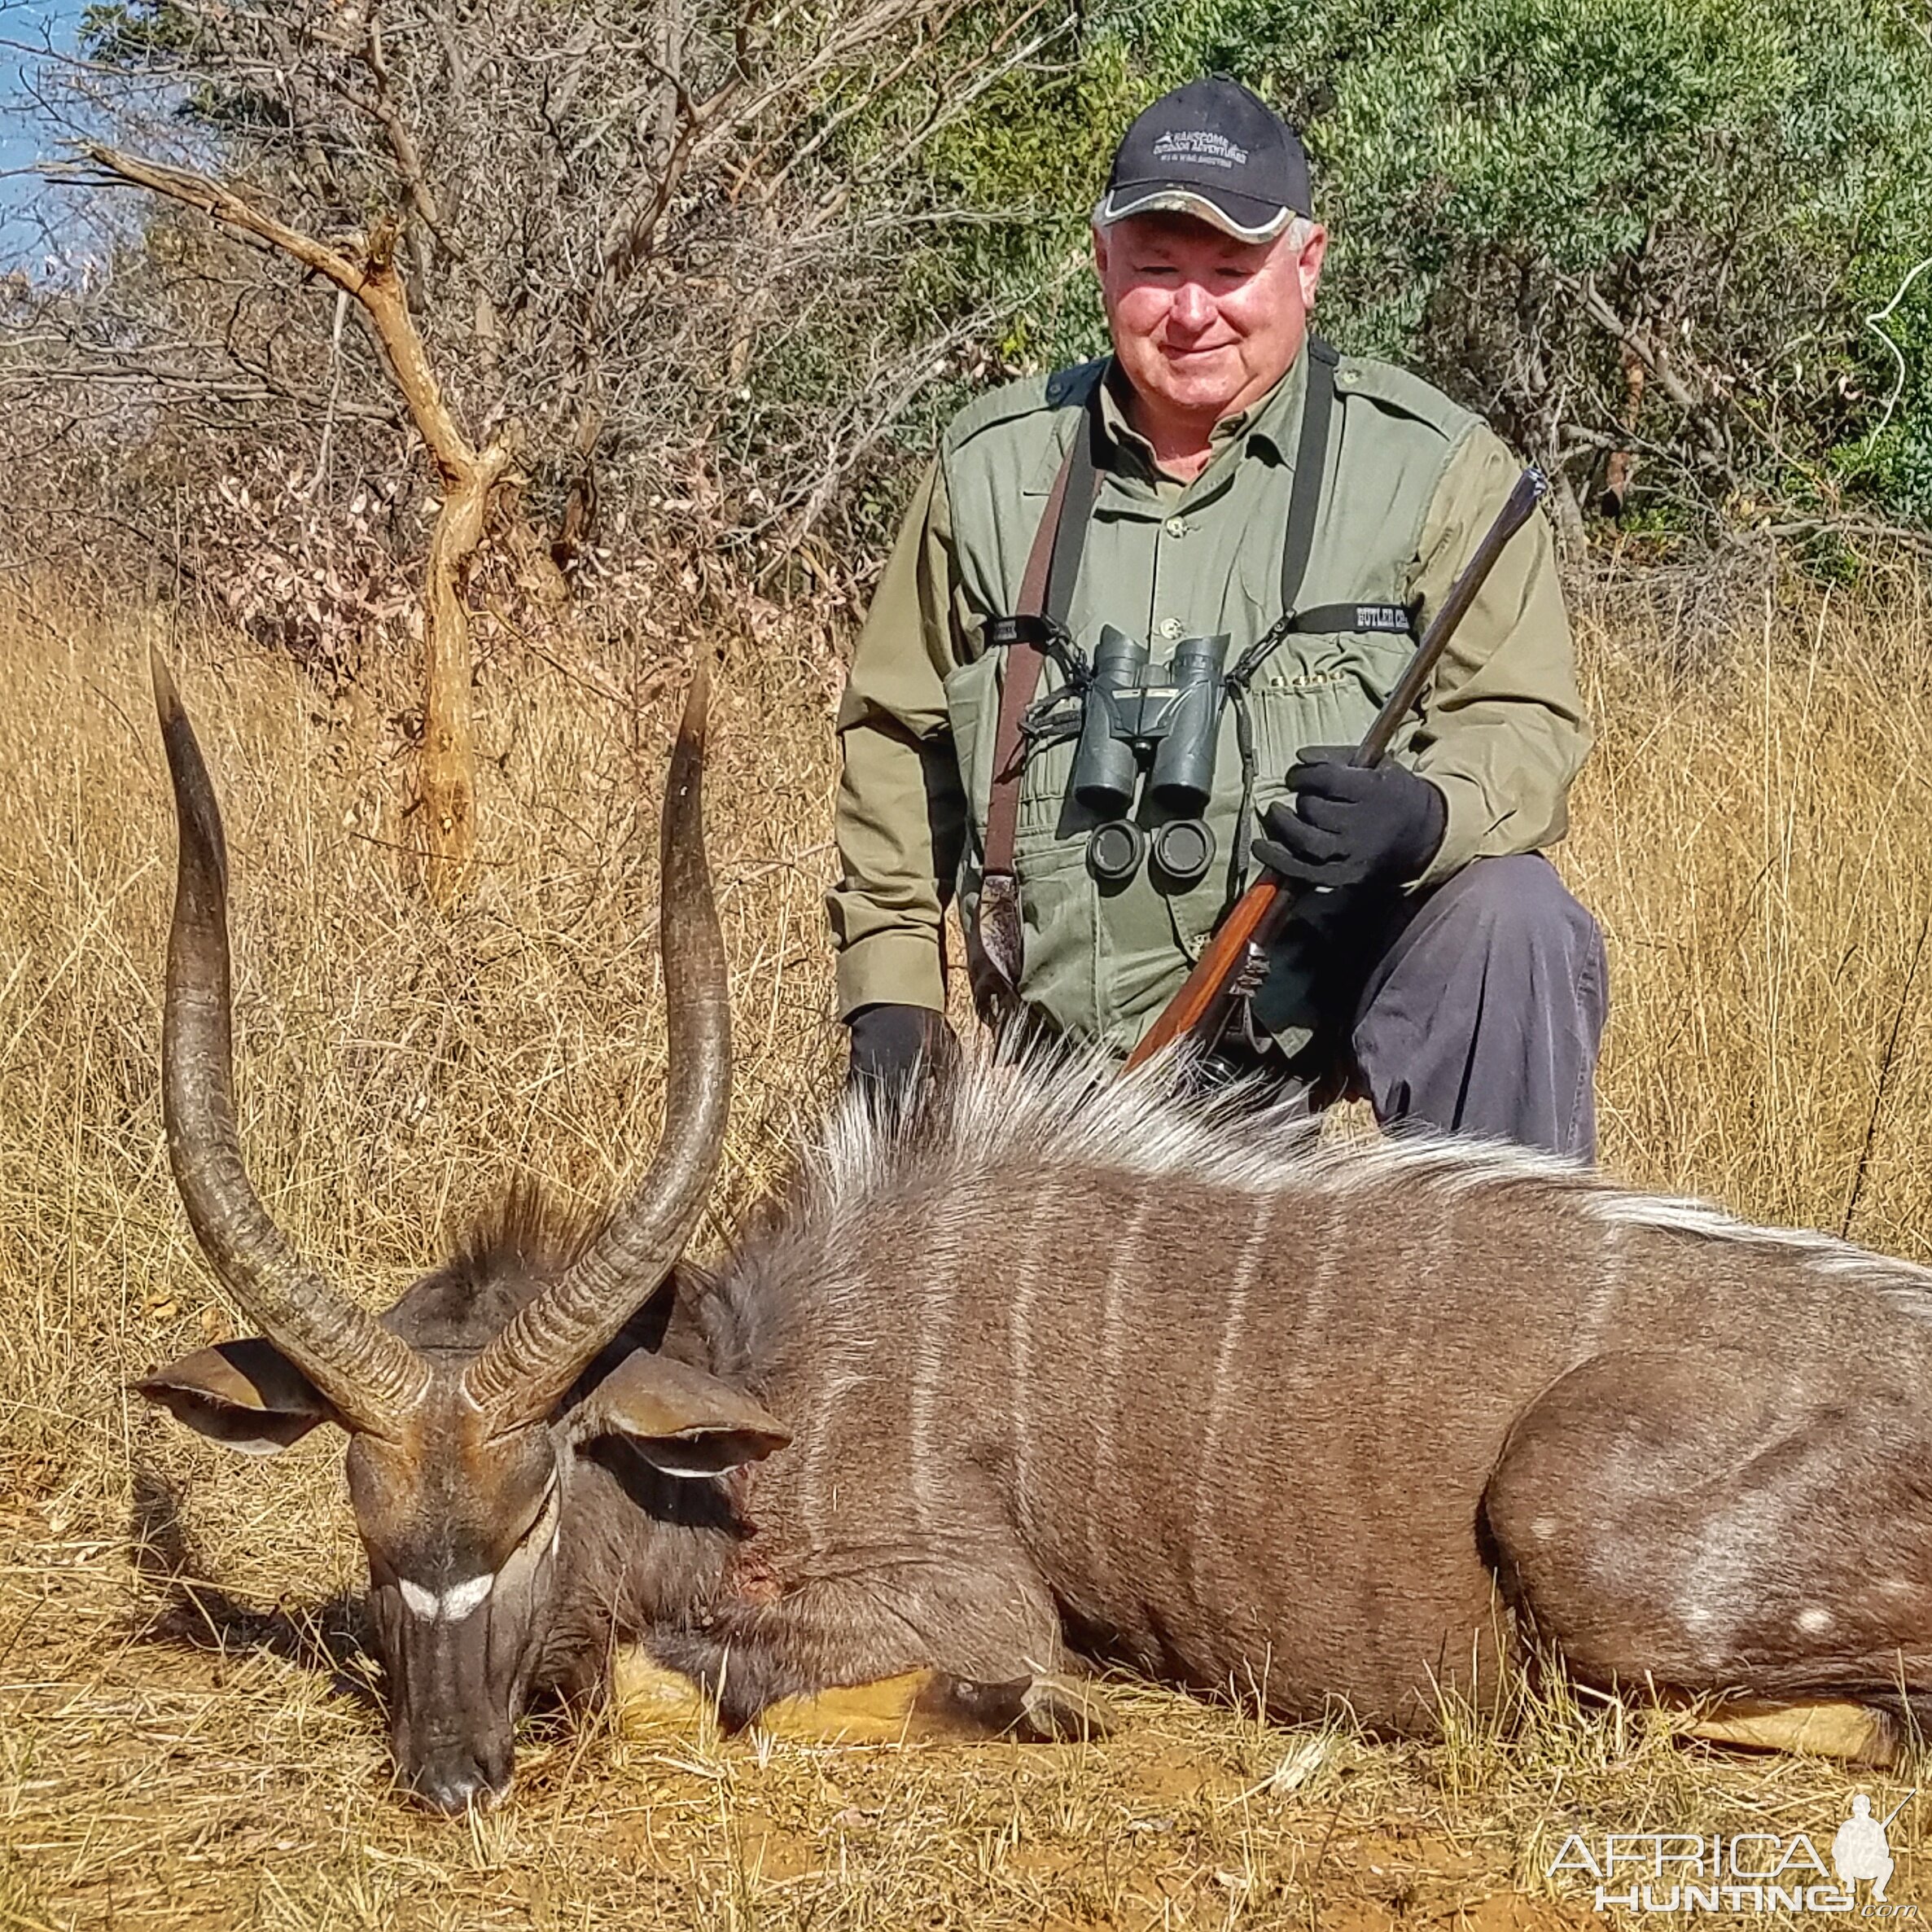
x=1107, y=1394
x=1019, y=1323
x=1210, y=1477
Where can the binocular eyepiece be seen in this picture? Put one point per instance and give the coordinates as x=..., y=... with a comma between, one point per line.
x=1170, y=721
x=1182, y=849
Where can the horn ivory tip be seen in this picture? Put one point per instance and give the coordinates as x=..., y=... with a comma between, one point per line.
x=168, y=704
x=204, y=846
x=697, y=703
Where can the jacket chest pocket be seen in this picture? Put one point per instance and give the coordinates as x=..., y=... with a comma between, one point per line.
x=1328, y=694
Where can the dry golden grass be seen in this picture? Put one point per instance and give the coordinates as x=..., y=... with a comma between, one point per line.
x=1755, y=832
x=1753, y=835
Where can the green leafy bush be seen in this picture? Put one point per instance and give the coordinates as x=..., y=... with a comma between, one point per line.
x=1667, y=246
x=1649, y=226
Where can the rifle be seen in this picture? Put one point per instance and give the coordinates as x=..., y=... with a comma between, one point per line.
x=1234, y=959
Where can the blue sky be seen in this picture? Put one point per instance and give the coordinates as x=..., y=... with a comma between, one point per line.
x=24, y=24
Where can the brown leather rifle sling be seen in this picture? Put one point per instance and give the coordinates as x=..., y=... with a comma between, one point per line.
x=1045, y=599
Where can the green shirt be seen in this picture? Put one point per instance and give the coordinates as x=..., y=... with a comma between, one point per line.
x=1411, y=483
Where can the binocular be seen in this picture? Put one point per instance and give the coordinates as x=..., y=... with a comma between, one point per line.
x=1171, y=723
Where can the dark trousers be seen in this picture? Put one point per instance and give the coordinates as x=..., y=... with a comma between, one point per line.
x=1475, y=1009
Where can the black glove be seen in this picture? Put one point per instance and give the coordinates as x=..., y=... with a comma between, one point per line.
x=1348, y=824
x=889, y=1042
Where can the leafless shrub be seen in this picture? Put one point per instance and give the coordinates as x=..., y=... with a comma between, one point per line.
x=655, y=250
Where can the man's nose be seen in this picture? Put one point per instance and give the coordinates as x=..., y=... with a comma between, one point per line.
x=1192, y=308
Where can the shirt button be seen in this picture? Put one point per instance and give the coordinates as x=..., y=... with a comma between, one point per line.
x=1178, y=526
x=1169, y=627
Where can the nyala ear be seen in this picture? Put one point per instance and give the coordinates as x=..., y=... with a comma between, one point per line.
x=247, y=1395
x=681, y=1421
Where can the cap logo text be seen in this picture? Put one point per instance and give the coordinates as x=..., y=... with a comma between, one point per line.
x=1200, y=145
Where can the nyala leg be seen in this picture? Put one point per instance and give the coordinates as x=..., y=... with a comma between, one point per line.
x=892, y=1654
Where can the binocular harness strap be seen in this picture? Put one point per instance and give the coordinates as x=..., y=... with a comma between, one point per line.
x=1045, y=599
x=1304, y=500
x=1311, y=454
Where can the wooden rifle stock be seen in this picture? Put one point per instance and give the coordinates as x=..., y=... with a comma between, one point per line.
x=1203, y=1006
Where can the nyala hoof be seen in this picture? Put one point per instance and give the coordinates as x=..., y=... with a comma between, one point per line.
x=1041, y=1709
x=1065, y=1708
x=1815, y=1727
x=933, y=1706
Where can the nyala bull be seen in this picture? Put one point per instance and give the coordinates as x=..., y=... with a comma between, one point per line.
x=1057, y=1365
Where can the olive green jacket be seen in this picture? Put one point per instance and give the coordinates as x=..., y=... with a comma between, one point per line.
x=1411, y=483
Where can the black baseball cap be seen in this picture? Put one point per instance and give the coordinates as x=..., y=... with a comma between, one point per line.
x=1214, y=150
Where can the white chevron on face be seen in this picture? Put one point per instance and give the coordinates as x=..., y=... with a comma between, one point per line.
x=453, y=1604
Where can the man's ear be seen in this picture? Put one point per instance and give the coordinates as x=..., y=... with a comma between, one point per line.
x=1314, y=253
x=247, y=1395
x=681, y=1421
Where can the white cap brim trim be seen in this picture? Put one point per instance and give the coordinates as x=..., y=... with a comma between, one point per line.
x=1117, y=206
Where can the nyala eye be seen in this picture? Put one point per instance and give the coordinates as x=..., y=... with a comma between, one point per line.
x=545, y=1521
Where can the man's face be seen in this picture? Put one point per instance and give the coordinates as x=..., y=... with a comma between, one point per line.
x=1203, y=324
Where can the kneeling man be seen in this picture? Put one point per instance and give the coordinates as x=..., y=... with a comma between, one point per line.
x=1139, y=612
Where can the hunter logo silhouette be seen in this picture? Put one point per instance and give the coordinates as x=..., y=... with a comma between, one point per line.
x=1859, y=1850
